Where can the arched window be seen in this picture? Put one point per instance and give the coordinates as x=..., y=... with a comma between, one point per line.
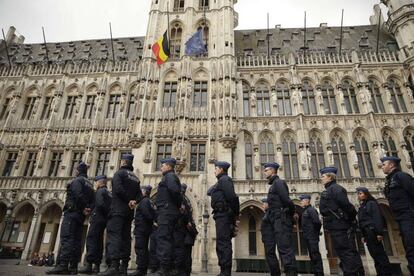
x=377, y=103
x=29, y=106
x=299, y=241
x=263, y=100
x=409, y=141
x=397, y=96
x=170, y=94
x=200, y=93
x=329, y=100
x=318, y=159
x=340, y=156
x=248, y=156
x=290, y=157
x=205, y=30
x=364, y=158
x=389, y=144
x=246, y=99
x=283, y=99
x=350, y=97
x=114, y=103
x=179, y=5
x=5, y=108
x=175, y=40
x=267, y=151
x=252, y=236
x=308, y=98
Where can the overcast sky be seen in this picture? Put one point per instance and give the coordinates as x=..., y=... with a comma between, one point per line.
x=66, y=20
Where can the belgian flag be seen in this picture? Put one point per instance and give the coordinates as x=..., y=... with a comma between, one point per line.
x=161, y=49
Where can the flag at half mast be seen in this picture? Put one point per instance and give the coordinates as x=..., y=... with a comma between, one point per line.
x=161, y=49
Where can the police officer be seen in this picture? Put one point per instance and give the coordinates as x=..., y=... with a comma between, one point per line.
x=97, y=225
x=399, y=190
x=184, y=237
x=339, y=218
x=311, y=227
x=281, y=210
x=168, y=202
x=79, y=200
x=154, y=263
x=144, y=219
x=371, y=224
x=226, y=209
x=269, y=241
x=126, y=193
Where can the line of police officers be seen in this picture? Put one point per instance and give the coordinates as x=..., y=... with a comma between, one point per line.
x=168, y=223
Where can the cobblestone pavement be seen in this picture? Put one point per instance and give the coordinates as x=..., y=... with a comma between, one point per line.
x=15, y=268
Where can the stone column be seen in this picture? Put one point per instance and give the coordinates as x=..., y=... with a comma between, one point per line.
x=368, y=262
x=57, y=242
x=30, y=235
x=322, y=249
x=35, y=234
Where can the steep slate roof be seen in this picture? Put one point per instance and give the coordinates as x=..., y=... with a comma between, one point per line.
x=324, y=38
x=99, y=49
x=247, y=42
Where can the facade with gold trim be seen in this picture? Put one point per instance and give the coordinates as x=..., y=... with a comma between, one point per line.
x=256, y=96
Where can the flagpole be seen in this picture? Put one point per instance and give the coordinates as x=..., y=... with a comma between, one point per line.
x=379, y=29
x=304, y=39
x=112, y=43
x=342, y=32
x=268, y=37
x=7, y=48
x=44, y=40
x=168, y=25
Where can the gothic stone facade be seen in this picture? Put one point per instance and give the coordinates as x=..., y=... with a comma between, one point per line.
x=256, y=96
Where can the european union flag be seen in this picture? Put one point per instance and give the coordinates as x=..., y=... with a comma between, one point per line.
x=195, y=45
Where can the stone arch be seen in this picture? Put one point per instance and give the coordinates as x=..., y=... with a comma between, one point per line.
x=350, y=79
x=266, y=134
x=262, y=81
x=92, y=88
x=251, y=203
x=21, y=204
x=283, y=80
x=8, y=92
x=328, y=79
x=376, y=79
x=49, y=91
x=32, y=91
x=248, y=134
x=115, y=88
x=251, y=214
x=339, y=131
x=310, y=80
x=170, y=74
x=73, y=89
x=246, y=82
x=200, y=73
x=395, y=78
x=363, y=130
x=49, y=203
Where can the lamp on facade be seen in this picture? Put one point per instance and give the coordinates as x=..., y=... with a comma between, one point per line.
x=204, y=263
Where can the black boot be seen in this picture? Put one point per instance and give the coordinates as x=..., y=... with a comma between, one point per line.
x=60, y=269
x=163, y=271
x=73, y=268
x=96, y=268
x=87, y=269
x=138, y=272
x=123, y=268
x=113, y=270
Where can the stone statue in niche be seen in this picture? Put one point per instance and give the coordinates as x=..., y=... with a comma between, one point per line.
x=148, y=151
x=212, y=150
x=253, y=100
x=303, y=158
x=274, y=98
x=279, y=157
x=354, y=157
x=309, y=157
x=319, y=97
x=122, y=102
x=406, y=156
x=78, y=104
x=329, y=152
x=227, y=127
